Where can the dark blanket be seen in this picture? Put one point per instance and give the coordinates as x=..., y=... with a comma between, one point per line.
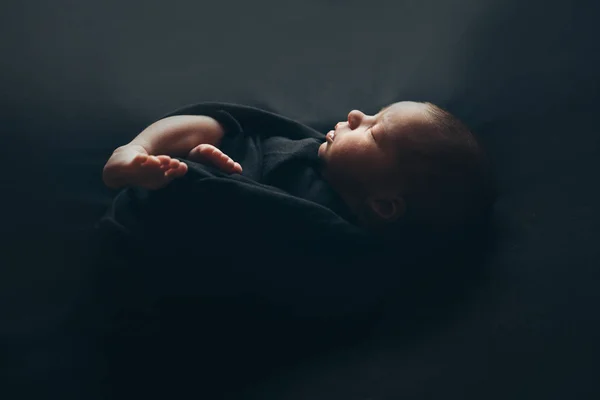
x=212, y=255
x=191, y=263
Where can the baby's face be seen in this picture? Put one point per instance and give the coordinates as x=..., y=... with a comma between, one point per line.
x=363, y=150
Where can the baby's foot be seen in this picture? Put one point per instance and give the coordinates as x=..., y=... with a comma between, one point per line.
x=131, y=165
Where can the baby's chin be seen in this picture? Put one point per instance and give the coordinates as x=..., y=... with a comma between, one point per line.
x=322, y=150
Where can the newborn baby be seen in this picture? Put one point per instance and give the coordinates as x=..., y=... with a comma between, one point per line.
x=411, y=163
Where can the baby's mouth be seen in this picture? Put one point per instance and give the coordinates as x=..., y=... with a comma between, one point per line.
x=330, y=136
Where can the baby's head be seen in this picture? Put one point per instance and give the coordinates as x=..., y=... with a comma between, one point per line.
x=410, y=164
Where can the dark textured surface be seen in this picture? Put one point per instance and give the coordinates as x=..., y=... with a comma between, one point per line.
x=79, y=79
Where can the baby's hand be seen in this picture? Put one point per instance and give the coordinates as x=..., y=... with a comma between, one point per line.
x=213, y=155
x=131, y=165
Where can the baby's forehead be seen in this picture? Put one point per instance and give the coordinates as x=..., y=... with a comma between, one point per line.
x=403, y=116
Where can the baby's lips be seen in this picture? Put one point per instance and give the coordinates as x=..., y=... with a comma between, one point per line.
x=330, y=136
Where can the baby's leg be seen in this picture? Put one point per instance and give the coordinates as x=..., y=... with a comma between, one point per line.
x=131, y=165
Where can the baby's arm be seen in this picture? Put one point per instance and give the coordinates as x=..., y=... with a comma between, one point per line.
x=176, y=136
x=146, y=161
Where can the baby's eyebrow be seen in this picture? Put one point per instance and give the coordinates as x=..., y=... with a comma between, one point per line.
x=380, y=114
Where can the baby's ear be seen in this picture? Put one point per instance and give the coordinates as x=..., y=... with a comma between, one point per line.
x=388, y=209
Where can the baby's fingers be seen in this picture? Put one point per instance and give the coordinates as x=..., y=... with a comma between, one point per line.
x=233, y=167
x=177, y=172
x=165, y=161
x=227, y=164
x=212, y=154
x=151, y=161
x=139, y=159
x=204, y=151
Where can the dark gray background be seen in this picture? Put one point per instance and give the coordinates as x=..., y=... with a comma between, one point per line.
x=80, y=78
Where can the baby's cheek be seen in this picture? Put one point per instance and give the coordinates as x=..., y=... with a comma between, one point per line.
x=359, y=154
